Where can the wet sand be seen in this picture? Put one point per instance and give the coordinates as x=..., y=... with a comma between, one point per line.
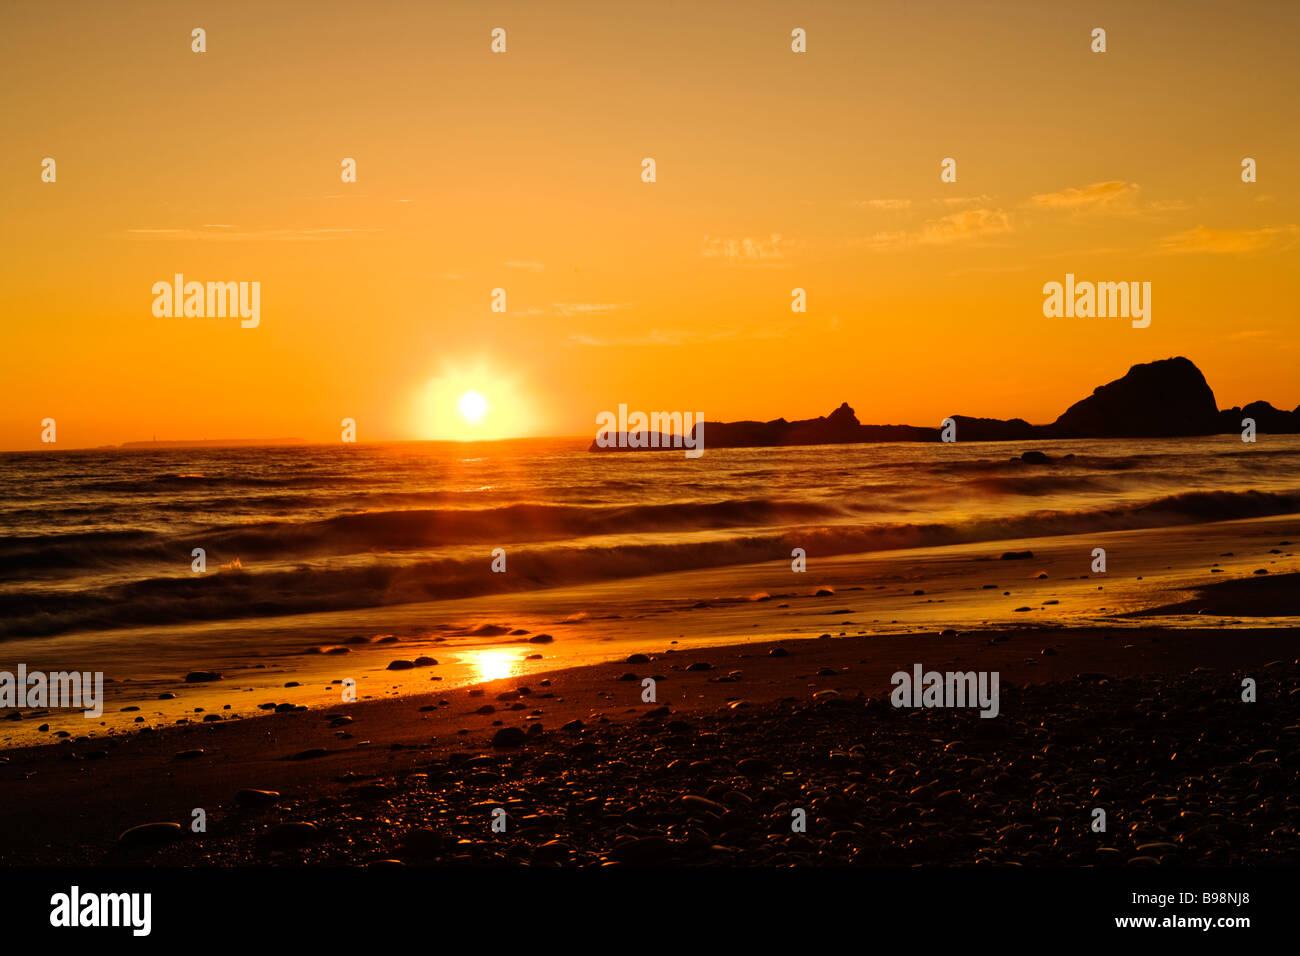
x=478, y=639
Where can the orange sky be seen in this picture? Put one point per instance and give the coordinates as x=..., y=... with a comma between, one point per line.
x=522, y=171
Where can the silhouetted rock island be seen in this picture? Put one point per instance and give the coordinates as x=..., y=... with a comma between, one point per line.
x=1165, y=399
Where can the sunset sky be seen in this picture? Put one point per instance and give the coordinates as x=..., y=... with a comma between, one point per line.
x=523, y=171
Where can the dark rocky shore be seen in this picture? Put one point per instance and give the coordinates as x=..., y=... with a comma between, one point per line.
x=1186, y=772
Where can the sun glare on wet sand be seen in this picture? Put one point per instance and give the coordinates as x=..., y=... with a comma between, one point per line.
x=493, y=664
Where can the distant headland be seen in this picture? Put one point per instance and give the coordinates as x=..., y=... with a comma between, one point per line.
x=1165, y=399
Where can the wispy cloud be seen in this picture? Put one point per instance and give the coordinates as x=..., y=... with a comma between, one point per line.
x=987, y=270
x=1205, y=240
x=964, y=226
x=886, y=204
x=1115, y=197
x=1091, y=251
x=1109, y=195
x=749, y=252
x=894, y=205
x=674, y=337
x=258, y=235
x=587, y=308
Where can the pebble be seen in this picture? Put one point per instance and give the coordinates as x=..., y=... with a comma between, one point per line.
x=256, y=798
x=509, y=737
x=151, y=834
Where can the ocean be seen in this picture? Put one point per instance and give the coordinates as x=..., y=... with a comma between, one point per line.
x=92, y=541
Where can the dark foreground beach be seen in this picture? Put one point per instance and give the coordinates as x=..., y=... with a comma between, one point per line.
x=1147, y=724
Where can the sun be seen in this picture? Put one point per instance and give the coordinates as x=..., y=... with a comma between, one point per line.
x=473, y=406
x=473, y=400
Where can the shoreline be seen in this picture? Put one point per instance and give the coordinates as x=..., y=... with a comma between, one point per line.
x=302, y=660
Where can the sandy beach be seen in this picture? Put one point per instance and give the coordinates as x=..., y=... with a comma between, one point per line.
x=1126, y=720
x=481, y=638
x=1119, y=690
